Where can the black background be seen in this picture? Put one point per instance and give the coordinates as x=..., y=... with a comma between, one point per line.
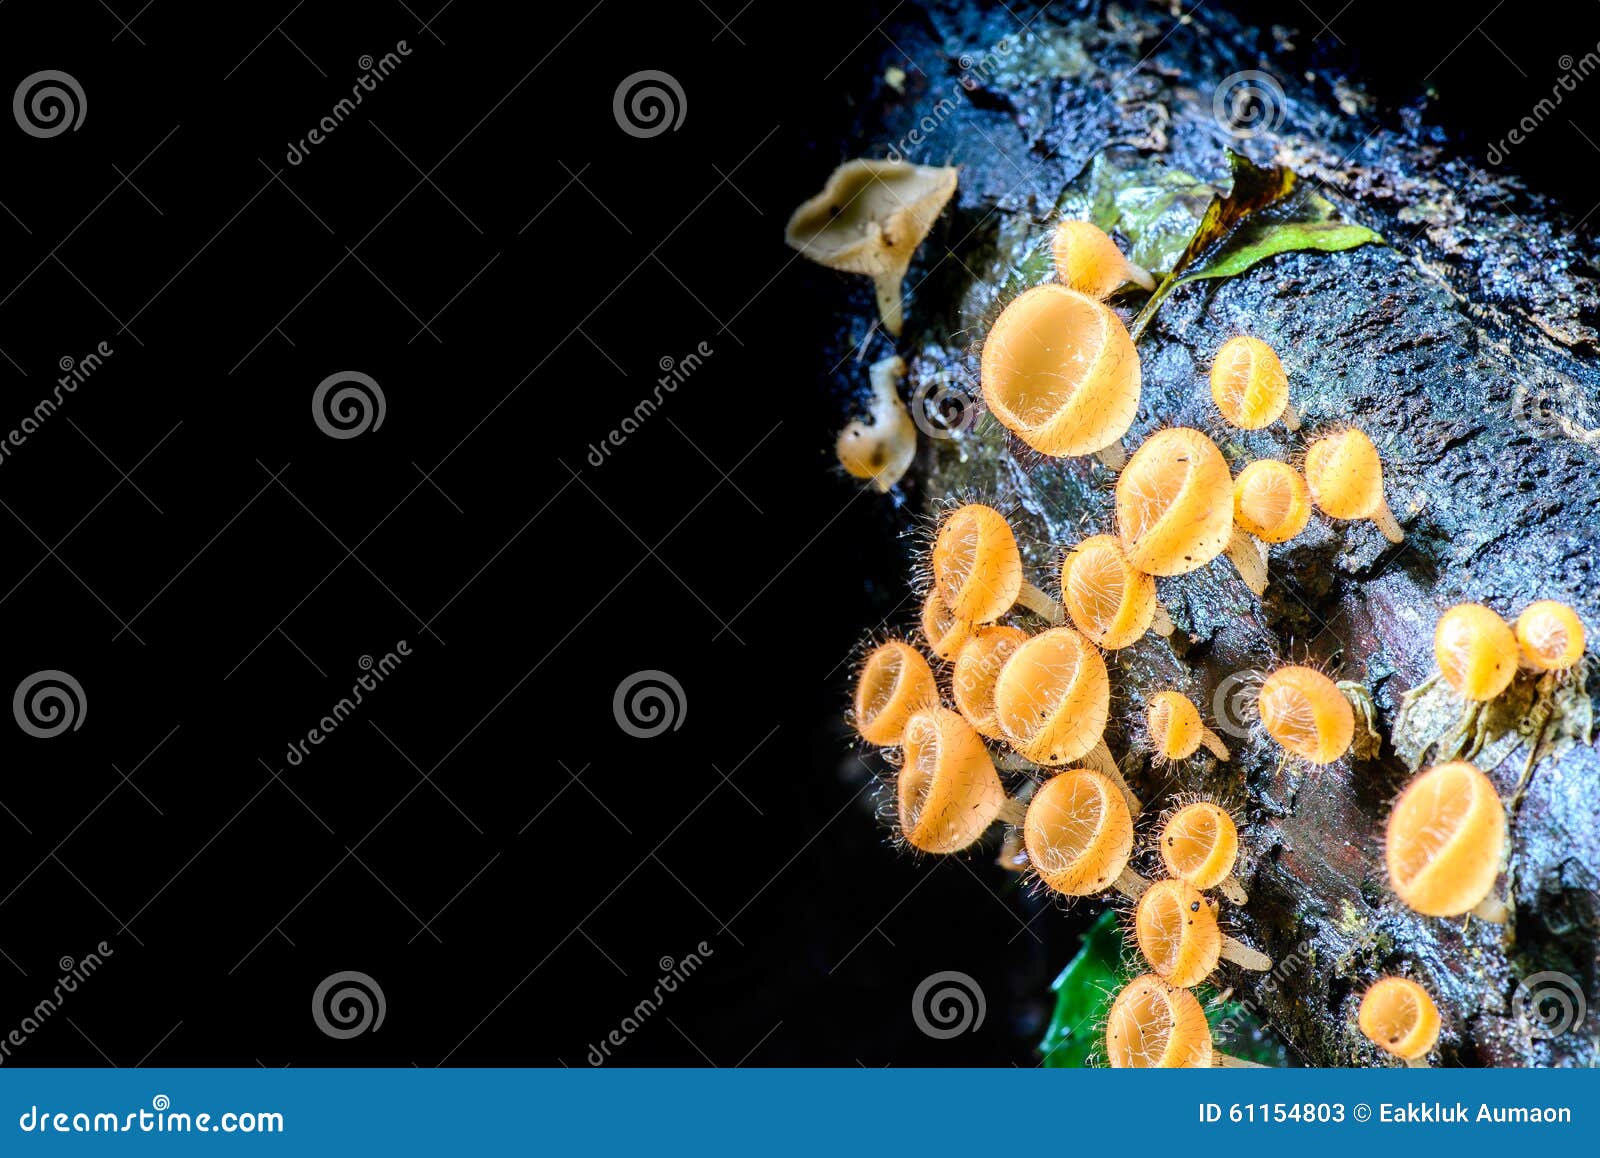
x=480, y=237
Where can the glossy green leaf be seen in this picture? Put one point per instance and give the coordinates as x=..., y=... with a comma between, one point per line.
x=1083, y=994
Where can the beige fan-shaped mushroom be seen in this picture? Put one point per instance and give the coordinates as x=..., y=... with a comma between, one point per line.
x=869, y=219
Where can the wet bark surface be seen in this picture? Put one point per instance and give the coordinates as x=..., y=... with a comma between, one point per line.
x=1465, y=349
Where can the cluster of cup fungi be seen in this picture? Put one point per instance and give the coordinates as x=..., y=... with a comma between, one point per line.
x=1032, y=695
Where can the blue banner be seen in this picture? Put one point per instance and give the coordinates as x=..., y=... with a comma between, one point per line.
x=783, y=1112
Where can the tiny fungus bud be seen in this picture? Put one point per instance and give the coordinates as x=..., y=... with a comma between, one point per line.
x=943, y=631
x=1176, y=927
x=1153, y=1025
x=1271, y=504
x=948, y=790
x=880, y=450
x=1109, y=600
x=977, y=669
x=1346, y=480
x=1199, y=843
x=1079, y=835
x=1550, y=635
x=978, y=569
x=1176, y=730
x=1305, y=712
x=1444, y=843
x=870, y=218
x=1249, y=386
x=1476, y=650
x=1053, y=697
x=895, y=681
x=1059, y=370
x=1175, y=503
x=1399, y=1017
x=1089, y=261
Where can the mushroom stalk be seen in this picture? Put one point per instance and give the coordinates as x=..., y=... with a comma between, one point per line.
x=1102, y=761
x=1229, y=1061
x=1291, y=418
x=1039, y=603
x=1418, y=1063
x=1386, y=522
x=1013, y=811
x=1231, y=889
x=1161, y=624
x=1214, y=743
x=1492, y=909
x=1244, y=956
x=1249, y=556
x=1130, y=884
x=1114, y=455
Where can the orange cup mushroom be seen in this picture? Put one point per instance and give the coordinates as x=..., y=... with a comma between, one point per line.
x=1346, y=481
x=978, y=569
x=1271, y=504
x=1305, y=712
x=1176, y=730
x=881, y=450
x=944, y=632
x=1088, y=261
x=1059, y=370
x=895, y=682
x=1551, y=636
x=1476, y=650
x=1445, y=841
x=1109, y=600
x=1199, y=843
x=977, y=670
x=948, y=791
x=1174, y=503
x=1399, y=1017
x=1249, y=385
x=1153, y=1025
x=1176, y=927
x=1079, y=835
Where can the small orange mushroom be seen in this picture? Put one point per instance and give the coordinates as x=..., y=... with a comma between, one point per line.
x=1199, y=843
x=977, y=669
x=1176, y=730
x=1249, y=386
x=1109, y=600
x=881, y=450
x=948, y=791
x=1445, y=841
x=1059, y=370
x=1079, y=835
x=943, y=631
x=1175, y=503
x=895, y=682
x=1346, y=480
x=1399, y=1017
x=1551, y=636
x=1176, y=927
x=1153, y=1025
x=978, y=569
x=1476, y=650
x=1088, y=261
x=1271, y=504
x=1305, y=712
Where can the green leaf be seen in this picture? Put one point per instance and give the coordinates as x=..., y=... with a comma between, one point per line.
x=1083, y=994
x=1155, y=208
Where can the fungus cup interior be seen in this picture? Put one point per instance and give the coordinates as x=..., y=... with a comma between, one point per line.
x=1154, y=1026
x=1305, y=712
x=1176, y=928
x=1399, y=1016
x=1476, y=650
x=1079, y=833
x=1053, y=697
x=976, y=565
x=947, y=790
x=1551, y=636
x=1200, y=844
x=1248, y=383
x=1445, y=840
x=1271, y=501
x=1108, y=600
x=895, y=681
x=1175, y=503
